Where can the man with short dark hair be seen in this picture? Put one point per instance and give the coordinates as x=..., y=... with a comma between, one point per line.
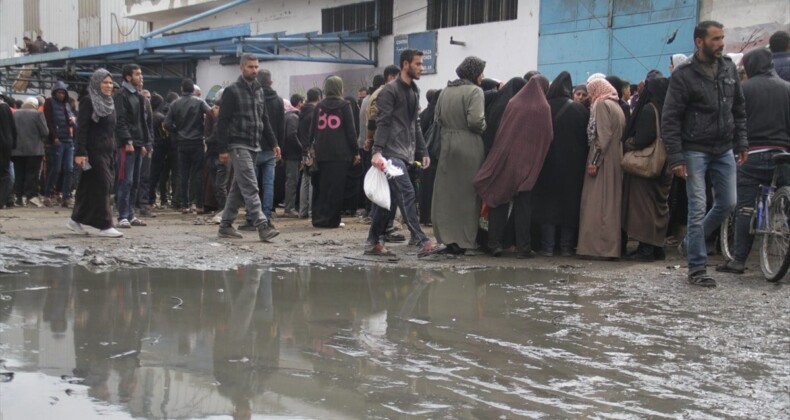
x=185, y=122
x=314, y=96
x=779, y=43
x=132, y=135
x=292, y=154
x=704, y=122
x=242, y=130
x=398, y=136
x=361, y=95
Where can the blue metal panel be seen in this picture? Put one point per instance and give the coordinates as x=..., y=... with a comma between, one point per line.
x=622, y=37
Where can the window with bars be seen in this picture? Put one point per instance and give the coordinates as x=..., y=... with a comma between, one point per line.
x=358, y=17
x=449, y=13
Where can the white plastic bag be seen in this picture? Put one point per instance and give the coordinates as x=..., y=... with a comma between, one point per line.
x=377, y=189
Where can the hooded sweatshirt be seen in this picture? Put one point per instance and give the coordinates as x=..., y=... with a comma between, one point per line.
x=58, y=115
x=276, y=111
x=767, y=102
x=333, y=130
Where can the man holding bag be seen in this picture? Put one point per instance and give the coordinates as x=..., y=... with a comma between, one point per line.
x=397, y=137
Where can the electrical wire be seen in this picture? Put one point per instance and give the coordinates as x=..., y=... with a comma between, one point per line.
x=114, y=16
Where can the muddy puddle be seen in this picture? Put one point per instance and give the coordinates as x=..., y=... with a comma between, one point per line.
x=341, y=342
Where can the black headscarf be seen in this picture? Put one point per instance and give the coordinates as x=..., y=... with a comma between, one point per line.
x=617, y=84
x=561, y=87
x=497, y=107
x=468, y=71
x=654, y=93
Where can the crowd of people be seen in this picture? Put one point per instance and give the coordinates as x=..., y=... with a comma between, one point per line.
x=529, y=165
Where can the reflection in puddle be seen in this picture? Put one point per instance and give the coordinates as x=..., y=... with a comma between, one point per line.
x=328, y=342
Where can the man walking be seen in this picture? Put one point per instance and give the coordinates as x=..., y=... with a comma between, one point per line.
x=185, y=122
x=768, y=124
x=242, y=129
x=134, y=142
x=397, y=136
x=704, y=121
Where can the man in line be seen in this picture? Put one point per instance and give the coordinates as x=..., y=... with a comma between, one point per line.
x=305, y=120
x=779, y=43
x=141, y=200
x=271, y=178
x=61, y=123
x=397, y=137
x=185, y=122
x=768, y=125
x=292, y=155
x=704, y=121
x=242, y=130
x=134, y=142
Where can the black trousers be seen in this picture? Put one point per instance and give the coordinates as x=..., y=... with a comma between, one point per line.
x=522, y=215
x=190, y=168
x=332, y=178
x=26, y=171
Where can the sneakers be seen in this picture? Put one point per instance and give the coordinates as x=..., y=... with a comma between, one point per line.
x=291, y=214
x=228, y=232
x=267, y=232
x=145, y=211
x=732, y=266
x=34, y=202
x=123, y=224
x=67, y=203
x=110, y=233
x=701, y=278
x=217, y=219
x=47, y=202
x=75, y=227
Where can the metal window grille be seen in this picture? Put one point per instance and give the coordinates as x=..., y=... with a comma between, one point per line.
x=449, y=13
x=358, y=17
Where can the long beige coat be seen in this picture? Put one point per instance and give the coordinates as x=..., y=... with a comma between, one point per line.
x=600, y=218
x=455, y=211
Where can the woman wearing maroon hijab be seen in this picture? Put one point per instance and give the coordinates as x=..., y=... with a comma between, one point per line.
x=511, y=169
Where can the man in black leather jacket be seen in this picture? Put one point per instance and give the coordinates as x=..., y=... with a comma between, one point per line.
x=704, y=121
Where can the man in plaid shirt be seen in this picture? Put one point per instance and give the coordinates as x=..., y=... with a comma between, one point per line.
x=243, y=128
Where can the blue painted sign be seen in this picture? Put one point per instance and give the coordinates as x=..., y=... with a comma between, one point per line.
x=423, y=41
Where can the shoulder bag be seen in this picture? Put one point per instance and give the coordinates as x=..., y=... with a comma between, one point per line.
x=647, y=162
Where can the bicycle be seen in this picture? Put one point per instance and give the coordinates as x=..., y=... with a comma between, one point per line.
x=770, y=221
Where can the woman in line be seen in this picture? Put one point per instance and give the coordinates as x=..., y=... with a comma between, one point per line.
x=600, y=218
x=514, y=164
x=94, y=154
x=335, y=143
x=557, y=195
x=460, y=111
x=647, y=212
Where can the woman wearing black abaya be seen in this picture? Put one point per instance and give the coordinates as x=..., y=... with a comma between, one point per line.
x=618, y=84
x=496, y=108
x=428, y=176
x=94, y=153
x=646, y=215
x=557, y=194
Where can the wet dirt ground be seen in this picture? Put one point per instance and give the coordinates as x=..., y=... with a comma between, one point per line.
x=172, y=322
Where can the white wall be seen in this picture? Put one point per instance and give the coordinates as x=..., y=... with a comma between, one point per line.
x=12, y=26
x=747, y=23
x=510, y=48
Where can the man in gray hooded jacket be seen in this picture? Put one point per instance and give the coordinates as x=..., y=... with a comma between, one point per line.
x=768, y=127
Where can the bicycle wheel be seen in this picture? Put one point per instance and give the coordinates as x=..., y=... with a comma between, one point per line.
x=775, y=247
x=727, y=237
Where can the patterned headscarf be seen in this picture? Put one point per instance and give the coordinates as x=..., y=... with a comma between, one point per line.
x=599, y=90
x=102, y=105
x=470, y=69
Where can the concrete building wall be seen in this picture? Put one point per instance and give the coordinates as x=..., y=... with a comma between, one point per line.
x=747, y=23
x=509, y=47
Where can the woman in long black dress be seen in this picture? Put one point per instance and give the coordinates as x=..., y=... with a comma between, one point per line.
x=94, y=155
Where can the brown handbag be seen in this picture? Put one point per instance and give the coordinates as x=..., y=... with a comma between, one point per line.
x=647, y=162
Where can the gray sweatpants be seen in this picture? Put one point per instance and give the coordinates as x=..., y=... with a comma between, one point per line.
x=244, y=189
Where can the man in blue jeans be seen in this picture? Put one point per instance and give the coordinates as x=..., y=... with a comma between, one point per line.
x=134, y=142
x=704, y=122
x=61, y=122
x=397, y=137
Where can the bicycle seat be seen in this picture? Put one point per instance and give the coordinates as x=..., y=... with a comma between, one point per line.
x=781, y=158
